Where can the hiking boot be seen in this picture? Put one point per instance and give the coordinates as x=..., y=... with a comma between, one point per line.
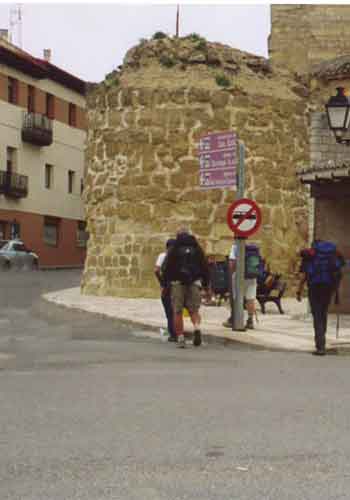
x=227, y=323
x=197, y=338
x=319, y=352
x=249, y=324
x=181, y=341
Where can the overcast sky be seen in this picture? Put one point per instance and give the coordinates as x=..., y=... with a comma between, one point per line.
x=90, y=40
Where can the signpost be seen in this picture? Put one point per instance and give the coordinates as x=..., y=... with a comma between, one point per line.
x=218, y=160
x=244, y=217
x=221, y=166
x=237, y=308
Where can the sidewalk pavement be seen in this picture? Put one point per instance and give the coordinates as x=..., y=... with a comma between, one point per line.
x=291, y=331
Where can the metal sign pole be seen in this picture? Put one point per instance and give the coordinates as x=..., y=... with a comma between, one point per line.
x=238, y=317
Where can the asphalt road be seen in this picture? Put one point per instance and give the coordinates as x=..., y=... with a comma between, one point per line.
x=93, y=410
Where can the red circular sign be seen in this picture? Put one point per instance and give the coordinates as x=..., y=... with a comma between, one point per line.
x=244, y=217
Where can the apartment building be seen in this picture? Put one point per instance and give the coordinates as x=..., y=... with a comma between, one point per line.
x=42, y=140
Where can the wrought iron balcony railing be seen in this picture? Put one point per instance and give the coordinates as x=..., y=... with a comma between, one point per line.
x=37, y=129
x=13, y=185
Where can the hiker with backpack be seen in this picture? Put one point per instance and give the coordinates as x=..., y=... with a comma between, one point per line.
x=321, y=270
x=253, y=268
x=186, y=269
x=165, y=291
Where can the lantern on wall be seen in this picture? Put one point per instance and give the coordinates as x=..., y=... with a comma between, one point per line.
x=338, y=114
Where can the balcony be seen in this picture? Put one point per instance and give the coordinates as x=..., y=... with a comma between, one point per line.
x=13, y=185
x=37, y=129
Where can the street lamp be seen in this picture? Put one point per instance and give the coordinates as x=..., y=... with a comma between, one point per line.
x=338, y=114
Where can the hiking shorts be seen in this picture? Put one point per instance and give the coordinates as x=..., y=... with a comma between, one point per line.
x=250, y=289
x=188, y=296
x=250, y=285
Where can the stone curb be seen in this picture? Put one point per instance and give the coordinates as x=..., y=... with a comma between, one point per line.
x=208, y=338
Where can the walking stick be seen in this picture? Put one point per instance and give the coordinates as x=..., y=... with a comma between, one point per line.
x=338, y=315
x=230, y=290
x=337, y=327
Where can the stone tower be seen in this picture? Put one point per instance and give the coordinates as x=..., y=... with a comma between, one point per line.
x=142, y=167
x=304, y=35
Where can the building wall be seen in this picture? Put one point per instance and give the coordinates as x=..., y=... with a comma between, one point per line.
x=66, y=253
x=332, y=201
x=324, y=150
x=289, y=38
x=3, y=87
x=332, y=223
x=64, y=154
x=44, y=85
x=303, y=35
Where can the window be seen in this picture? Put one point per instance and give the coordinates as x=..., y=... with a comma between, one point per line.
x=71, y=178
x=50, y=106
x=48, y=176
x=72, y=115
x=15, y=230
x=11, y=157
x=51, y=231
x=31, y=99
x=3, y=225
x=12, y=90
x=82, y=234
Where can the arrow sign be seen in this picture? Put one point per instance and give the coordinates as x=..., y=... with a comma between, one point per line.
x=244, y=217
x=217, y=154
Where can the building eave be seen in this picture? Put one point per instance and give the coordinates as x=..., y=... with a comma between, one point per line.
x=24, y=64
x=313, y=174
x=64, y=78
x=40, y=69
x=337, y=68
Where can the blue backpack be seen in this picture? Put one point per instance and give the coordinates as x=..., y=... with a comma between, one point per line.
x=253, y=262
x=323, y=265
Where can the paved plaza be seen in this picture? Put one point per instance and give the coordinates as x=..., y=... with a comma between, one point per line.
x=99, y=408
x=290, y=331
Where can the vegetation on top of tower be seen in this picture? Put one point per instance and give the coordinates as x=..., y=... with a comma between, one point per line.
x=112, y=78
x=222, y=80
x=194, y=51
x=167, y=61
x=159, y=35
x=194, y=37
x=202, y=45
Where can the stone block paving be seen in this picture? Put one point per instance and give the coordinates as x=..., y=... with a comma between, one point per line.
x=290, y=331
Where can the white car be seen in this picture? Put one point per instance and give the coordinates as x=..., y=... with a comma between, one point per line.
x=15, y=254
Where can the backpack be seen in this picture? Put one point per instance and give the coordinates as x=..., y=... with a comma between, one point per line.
x=253, y=262
x=323, y=264
x=218, y=272
x=188, y=269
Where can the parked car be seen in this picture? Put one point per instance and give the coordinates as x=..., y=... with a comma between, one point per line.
x=15, y=254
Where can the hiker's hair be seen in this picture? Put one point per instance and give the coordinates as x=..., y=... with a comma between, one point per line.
x=183, y=230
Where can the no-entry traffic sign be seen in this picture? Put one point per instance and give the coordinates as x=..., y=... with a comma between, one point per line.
x=244, y=217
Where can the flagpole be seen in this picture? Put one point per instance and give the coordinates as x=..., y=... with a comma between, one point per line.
x=177, y=20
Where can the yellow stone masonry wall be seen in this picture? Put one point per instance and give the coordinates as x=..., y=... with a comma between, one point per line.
x=142, y=167
x=303, y=35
